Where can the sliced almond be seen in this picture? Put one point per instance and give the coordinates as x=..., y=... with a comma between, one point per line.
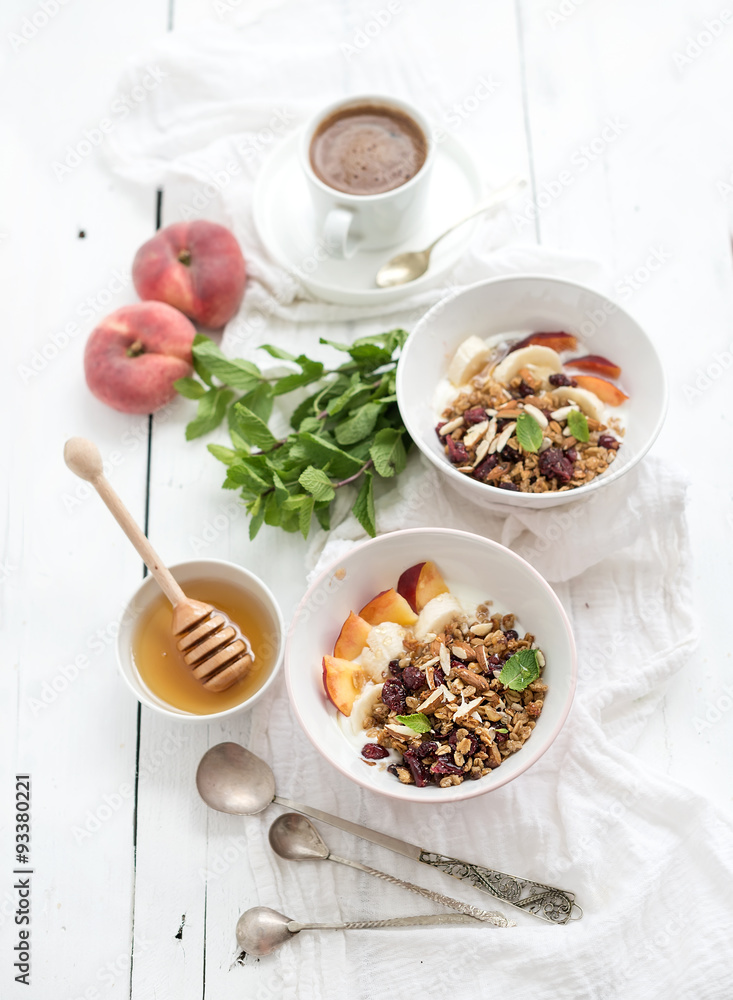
x=546, y=443
x=464, y=710
x=482, y=658
x=465, y=648
x=537, y=414
x=482, y=628
x=469, y=677
x=445, y=660
x=563, y=412
x=398, y=730
x=434, y=700
x=505, y=435
x=475, y=433
x=460, y=653
x=451, y=426
x=483, y=447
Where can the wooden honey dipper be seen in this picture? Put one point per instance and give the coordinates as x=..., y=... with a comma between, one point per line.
x=210, y=644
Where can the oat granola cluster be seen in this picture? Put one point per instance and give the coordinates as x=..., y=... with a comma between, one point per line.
x=453, y=680
x=478, y=433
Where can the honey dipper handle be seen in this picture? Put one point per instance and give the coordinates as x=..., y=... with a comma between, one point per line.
x=84, y=460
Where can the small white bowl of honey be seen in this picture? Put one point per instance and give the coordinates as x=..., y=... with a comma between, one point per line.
x=155, y=670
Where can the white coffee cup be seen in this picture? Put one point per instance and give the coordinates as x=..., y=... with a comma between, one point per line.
x=350, y=222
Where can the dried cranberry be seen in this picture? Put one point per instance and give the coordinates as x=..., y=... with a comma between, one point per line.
x=393, y=696
x=525, y=390
x=495, y=660
x=608, y=441
x=373, y=751
x=501, y=422
x=438, y=426
x=509, y=454
x=442, y=766
x=500, y=737
x=507, y=486
x=511, y=633
x=456, y=451
x=474, y=416
x=484, y=468
x=426, y=748
x=413, y=678
x=554, y=464
x=438, y=676
x=572, y=454
x=394, y=668
x=420, y=774
x=561, y=379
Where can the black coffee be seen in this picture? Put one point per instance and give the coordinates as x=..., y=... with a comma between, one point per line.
x=367, y=149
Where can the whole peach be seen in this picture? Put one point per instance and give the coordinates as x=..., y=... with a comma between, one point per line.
x=196, y=267
x=135, y=355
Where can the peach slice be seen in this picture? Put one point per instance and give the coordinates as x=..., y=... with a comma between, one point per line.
x=420, y=584
x=604, y=389
x=595, y=363
x=343, y=682
x=388, y=606
x=352, y=638
x=557, y=341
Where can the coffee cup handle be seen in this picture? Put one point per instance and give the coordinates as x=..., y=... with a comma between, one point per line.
x=336, y=233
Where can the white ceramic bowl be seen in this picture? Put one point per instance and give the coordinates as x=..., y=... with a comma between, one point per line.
x=196, y=569
x=491, y=570
x=530, y=303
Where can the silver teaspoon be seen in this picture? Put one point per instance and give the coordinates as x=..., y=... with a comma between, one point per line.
x=294, y=838
x=232, y=780
x=408, y=266
x=260, y=930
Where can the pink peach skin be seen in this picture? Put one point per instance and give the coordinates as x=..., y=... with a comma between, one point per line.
x=196, y=267
x=135, y=355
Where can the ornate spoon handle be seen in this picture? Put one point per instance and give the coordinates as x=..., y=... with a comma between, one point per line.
x=544, y=901
x=491, y=917
x=363, y=925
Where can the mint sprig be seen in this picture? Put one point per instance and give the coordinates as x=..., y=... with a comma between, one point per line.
x=418, y=721
x=520, y=670
x=528, y=432
x=346, y=430
x=578, y=424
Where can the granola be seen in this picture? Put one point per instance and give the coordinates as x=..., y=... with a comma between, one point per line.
x=471, y=721
x=526, y=426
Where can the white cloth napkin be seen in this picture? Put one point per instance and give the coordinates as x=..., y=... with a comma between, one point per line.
x=649, y=859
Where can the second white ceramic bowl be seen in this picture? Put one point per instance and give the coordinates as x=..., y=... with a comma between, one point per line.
x=466, y=561
x=528, y=304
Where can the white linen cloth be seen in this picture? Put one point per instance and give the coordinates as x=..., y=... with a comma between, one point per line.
x=649, y=859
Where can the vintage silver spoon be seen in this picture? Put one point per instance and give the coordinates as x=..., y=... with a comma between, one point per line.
x=260, y=931
x=294, y=838
x=232, y=780
x=408, y=266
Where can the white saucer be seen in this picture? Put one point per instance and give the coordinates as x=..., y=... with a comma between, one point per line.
x=285, y=221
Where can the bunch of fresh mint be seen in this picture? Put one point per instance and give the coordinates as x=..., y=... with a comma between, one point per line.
x=344, y=432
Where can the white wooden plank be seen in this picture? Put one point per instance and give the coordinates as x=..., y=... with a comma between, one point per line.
x=69, y=722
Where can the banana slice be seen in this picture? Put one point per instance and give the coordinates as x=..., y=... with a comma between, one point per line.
x=541, y=361
x=589, y=403
x=436, y=614
x=362, y=707
x=468, y=360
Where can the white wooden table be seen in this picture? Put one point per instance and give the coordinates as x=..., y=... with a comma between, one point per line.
x=120, y=902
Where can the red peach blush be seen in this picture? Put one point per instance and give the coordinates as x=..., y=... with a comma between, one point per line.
x=133, y=358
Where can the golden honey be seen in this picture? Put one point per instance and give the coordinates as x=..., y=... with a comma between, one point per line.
x=162, y=668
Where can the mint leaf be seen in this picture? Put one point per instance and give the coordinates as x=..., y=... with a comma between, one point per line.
x=363, y=508
x=316, y=482
x=211, y=410
x=359, y=425
x=277, y=352
x=311, y=371
x=320, y=451
x=529, y=432
x=578, y=424
x=252, y=428
x=225, y=455
x=520, y=670
x=419, y=722
x=259, y=401
x=189, y=388
x=304, y=515
x=237, y=373
x=388, y=452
